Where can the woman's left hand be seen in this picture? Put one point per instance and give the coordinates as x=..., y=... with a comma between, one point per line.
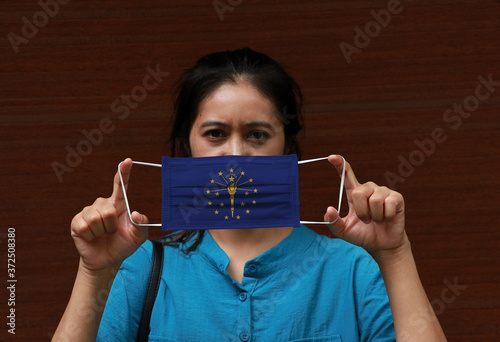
x=376, y=218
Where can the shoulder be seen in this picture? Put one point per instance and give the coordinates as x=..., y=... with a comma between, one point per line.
x=140, y=262
x=137, y=267
x=336, y=247
x=134, y=271
x=141, y=257
x=130, y=284
x=339, y=256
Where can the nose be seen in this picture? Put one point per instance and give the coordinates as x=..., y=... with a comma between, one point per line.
x=236, y=146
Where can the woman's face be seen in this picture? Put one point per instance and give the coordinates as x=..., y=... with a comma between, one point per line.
x=237, y=120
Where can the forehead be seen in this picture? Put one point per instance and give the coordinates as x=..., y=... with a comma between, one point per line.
x=235, y=102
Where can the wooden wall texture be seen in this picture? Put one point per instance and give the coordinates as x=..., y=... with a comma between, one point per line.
x=399, y=87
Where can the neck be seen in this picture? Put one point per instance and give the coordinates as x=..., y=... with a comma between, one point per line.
x=248, y=243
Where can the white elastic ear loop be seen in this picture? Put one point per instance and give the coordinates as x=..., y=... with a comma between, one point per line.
x=340, y=193
x=126, y=199
x=159, y=165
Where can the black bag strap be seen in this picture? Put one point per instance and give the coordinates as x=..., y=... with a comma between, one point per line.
x=151, y=291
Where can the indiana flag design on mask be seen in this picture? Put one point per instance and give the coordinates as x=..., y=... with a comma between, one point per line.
x=230, y=192
x=233, y=185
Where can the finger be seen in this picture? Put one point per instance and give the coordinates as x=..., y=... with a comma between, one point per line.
x=94, y=221
x=350, y=182
x=338, y=225
x=125, y=168
x=376, y=203
x=360, y=197
x=394, y=204
x=109, y=217
x=80, y=229
x=140, y=232
x=139, y=218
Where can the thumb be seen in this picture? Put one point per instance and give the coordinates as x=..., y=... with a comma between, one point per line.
x=338, y=225
x=141, y=233
x=139, y=218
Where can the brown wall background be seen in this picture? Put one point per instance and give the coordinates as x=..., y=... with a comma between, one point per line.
x=395, y=90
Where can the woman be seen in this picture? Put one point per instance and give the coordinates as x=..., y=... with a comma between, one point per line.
x=263, y=284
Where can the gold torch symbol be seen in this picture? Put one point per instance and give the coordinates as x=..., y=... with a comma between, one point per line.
x=232, y=185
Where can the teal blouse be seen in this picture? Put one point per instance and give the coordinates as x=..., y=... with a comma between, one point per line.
x=307, y=288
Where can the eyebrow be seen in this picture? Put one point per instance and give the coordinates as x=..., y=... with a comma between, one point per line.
x=213, y=123
x=249, y=124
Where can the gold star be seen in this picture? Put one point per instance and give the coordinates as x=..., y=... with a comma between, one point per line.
x=254, y=190
x=211, y=181
x=238, y=217
x=216, y=212
x=248, y=211
x=216, y=194
x=231, y=170
x=226, y=217
x=220, y=173
x=250, y=180
x=208, y=191
x=246, y=193
x=231, y=179
x=242, y=204
x=221, y=204
x=242, y=173
x=209, y=203
x=254, y=202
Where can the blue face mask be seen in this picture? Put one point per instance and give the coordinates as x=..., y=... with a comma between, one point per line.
x=230, y=192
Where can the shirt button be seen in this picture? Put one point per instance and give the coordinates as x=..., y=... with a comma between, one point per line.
x=252, y=268
x=243, y=296
x=244, y=337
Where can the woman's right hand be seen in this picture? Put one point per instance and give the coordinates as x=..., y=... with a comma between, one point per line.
x=103, y=233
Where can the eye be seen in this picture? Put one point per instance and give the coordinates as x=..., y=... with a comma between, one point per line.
x=258, y=135
x=214, y=134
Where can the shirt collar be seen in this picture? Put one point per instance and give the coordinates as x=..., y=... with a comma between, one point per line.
x=280, y=256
